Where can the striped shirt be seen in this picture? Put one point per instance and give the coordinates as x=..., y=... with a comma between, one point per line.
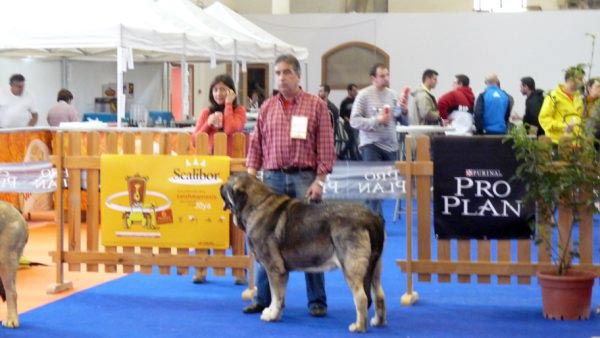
x=364, y=118
x=271, y=146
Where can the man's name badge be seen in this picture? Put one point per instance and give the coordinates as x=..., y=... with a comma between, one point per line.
x=299, y=127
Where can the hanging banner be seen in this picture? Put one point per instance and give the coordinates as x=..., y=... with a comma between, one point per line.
x=163, y=200
x=357, y=180
x=27, y=177
x=474, y=196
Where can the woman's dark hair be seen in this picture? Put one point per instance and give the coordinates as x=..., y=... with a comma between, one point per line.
x=64, y=95
x=226, y=80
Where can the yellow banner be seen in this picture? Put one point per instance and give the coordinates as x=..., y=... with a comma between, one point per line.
x=163, y=200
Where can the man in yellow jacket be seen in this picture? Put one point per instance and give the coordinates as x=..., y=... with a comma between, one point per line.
x=563, y=107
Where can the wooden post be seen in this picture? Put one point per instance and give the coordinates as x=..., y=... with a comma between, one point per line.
x=128, y=149
x=410, y=297
x=484, y=248
x=423, y=206
x=164, y=145
x=93, y=201
x=220, y=148
x=60, y=284
x=183, y=142
x=201, y=149
x=74, y=189
x=147, y=140
x=112, y=147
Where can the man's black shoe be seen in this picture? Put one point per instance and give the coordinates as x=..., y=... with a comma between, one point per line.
x=253, y=308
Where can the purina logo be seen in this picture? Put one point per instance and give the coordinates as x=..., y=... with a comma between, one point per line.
x=483, y=173
x=194, y=174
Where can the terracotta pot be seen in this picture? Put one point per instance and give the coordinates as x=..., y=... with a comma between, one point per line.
x=566, y=297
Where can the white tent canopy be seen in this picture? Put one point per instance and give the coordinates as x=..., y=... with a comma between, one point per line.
x=106, y=30
x=271, y=44
x=155, y=30
x=128, y=30
x=92, y=30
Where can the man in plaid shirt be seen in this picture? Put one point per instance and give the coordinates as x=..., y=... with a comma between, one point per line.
x=292, y=143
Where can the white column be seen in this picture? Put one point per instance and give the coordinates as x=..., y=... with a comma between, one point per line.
x=64, y=73
x=280, y=6
x=234, y=67
x=305, y=75
x=185, y=102
x=120, y=97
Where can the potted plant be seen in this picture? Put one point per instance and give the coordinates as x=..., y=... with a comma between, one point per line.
x=566, y=175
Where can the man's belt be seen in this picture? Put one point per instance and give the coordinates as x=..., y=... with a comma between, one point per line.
x=293, y=170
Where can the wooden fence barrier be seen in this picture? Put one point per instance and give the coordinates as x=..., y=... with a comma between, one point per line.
x=81, y=151
x=491, y=257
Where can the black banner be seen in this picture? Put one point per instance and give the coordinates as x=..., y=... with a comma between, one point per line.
x=474, y=196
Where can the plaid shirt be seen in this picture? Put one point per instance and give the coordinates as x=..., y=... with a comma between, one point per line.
x=271, y=146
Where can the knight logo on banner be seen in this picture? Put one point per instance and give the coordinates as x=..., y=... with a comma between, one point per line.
x=474, y=195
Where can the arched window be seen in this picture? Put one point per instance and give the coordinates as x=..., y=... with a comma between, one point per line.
x=350, y=63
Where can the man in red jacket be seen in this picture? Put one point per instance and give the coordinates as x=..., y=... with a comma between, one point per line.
x=461, y=98
x=456, y=107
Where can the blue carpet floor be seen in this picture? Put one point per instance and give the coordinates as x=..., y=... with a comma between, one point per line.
x=171, y=306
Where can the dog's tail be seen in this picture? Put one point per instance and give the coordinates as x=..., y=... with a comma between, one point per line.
x=2, y=292
x=376, y=237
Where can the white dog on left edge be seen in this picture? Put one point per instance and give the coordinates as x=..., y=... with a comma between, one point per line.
x=13, y=236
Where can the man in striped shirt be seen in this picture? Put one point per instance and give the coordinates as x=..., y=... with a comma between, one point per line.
x=293, y=145
x=376, y=125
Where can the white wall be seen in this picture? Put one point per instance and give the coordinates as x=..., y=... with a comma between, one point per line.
x=203, y=76
x=538, y=44
x=430, y=6
x=86, y=80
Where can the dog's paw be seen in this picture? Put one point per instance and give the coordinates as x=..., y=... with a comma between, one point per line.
x=354, y=327
x=11, y=323
x=270, y=315
x=377, y=321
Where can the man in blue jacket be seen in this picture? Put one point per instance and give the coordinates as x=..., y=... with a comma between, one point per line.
x=492, y=108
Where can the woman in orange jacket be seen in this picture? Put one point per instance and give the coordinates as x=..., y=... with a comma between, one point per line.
x=223, y=114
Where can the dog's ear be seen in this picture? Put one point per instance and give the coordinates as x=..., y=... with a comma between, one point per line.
x=226, y=196
x=2, y=292
x=240, y=197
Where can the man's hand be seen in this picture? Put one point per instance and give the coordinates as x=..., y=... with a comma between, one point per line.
x=251, y=171
x=33, y=121
x=571, y=125
x=315, y=191
x=384, y=117
x=516, y=117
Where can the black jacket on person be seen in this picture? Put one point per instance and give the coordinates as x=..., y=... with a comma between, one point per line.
x=533, y=104
x=334, y=113
x=346, y=107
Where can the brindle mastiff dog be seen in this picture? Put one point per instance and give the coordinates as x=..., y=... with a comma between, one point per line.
x=13, y=236
x=287, y=234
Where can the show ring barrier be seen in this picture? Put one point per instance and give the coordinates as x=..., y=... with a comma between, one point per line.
x=489, y=260
x=76, y=151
